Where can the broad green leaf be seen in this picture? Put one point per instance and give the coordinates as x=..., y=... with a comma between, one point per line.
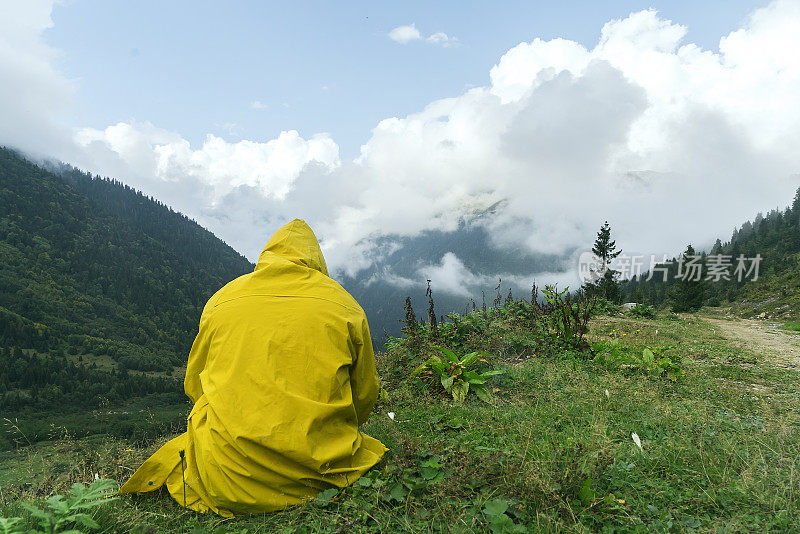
x=398, y=492
x=482, y=392
x=423, y=367
x=447, y=382
x=471, y=358
x=502, y=524
x=493, y=372
x=474, y=378
x=495, y=507
x=429, y=473
x=449, y=353
x=439, y=366
x=324, y=497
x=647, y=356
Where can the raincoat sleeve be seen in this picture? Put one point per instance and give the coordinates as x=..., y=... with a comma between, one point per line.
x=196, y=364
x=363, y=376
x=198, y=355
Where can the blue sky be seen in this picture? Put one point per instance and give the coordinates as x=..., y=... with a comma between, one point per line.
x=195, y=67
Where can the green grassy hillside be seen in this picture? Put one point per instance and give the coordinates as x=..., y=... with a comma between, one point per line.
x=100, y=294
x=552, y=451
x=679, y=423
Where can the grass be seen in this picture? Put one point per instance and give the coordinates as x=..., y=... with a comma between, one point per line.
x=793, y=326
x=553, y=452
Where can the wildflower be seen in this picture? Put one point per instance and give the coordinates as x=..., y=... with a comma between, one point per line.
x=607, y=395
x=391, y=415
x=128, y=450
x=97, y=476
x=636, y=440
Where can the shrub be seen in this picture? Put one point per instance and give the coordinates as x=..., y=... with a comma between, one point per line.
x=604, y=306
x=456, y=374
x=613, y=354
x=643, y=312
x=568, y=316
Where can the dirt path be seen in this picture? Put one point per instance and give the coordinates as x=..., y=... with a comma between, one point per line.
x=764, y=338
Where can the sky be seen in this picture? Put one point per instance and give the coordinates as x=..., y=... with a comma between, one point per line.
x=675, y=121
x=249, y=70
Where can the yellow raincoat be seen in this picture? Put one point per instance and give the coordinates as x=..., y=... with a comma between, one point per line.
x=281, y=375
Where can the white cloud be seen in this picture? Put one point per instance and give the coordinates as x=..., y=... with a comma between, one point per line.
x=270, y=167
x=667, y=141
x=406, y=34
x=32, y=92
x=450, y=276
x=257, y=104
x=443, y=39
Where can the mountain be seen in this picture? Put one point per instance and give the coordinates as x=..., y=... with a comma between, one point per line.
x=475, y=261
x=101, y=288
x=775, y=238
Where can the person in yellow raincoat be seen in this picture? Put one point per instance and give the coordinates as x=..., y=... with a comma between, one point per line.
x=281, y=375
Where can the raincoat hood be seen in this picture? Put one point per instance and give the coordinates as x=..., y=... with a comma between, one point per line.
x=294, y=242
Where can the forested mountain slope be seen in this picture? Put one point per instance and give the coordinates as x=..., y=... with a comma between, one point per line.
x=96, y=278
x=774, y=239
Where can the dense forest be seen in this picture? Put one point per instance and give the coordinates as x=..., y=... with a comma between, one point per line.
x=772, y=287
x=101, y=288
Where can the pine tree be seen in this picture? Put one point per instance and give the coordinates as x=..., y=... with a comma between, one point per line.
x=607, y=286
x=688, y=293
x=796, y=207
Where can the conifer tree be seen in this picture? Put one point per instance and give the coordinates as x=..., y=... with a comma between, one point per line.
x=607, y=286
x=796, y=208
x=688, y=293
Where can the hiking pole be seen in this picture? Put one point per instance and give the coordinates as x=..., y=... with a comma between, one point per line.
x=181, y=453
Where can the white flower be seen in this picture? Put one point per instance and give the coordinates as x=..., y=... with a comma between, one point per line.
x=636, y=440
x=656, y=331
x=607, y=395
x=391, y=415
x=96, y=476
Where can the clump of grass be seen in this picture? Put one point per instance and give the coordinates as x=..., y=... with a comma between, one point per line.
x=794, y=326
